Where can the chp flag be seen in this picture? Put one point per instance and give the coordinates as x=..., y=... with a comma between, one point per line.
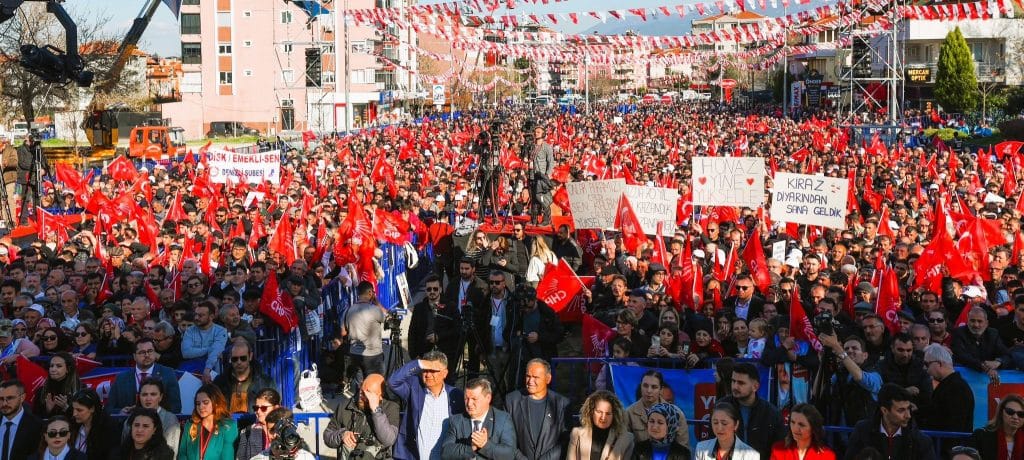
x=559, y=286
x=810, y=199
x=278, y=306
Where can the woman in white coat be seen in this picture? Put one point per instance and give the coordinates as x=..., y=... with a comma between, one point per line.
x=725, y=420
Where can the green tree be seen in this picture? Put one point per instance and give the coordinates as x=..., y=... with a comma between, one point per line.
x=956, y=87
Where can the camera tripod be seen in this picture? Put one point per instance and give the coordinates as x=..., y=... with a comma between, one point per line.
x=394, y=359
x=31, y=187
x=470, y=340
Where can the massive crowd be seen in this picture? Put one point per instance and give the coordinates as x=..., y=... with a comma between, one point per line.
x=178, y=273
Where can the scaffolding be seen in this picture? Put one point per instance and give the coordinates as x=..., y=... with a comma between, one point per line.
x=871, y=69
x=315, y=44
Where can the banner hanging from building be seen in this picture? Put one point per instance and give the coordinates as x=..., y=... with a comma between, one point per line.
x=235, y=167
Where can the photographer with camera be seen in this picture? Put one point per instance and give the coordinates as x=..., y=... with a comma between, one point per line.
x=28, y=179
x=285, y=441
x=855, y=385
x=542, y=164
x=534, y=330
x=366, y=426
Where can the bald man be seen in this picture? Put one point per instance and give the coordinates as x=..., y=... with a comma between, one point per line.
x=363, y=427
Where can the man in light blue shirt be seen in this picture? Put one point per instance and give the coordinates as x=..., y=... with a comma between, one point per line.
x=205, y=340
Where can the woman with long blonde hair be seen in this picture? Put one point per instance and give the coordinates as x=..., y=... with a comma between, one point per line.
x=211, y=432
x=603, y=433
x=541, y=256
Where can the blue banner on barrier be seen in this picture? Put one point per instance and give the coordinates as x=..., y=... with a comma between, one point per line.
x=987, y=395
x=692, y=390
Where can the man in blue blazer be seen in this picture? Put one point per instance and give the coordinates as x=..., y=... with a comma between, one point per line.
x=420, y=384
x=482, y=432
x=125, y=389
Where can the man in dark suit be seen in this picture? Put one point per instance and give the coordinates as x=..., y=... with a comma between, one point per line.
x=420, y=385
x=124, y=391
x=467, y=296
x=745, y=304
x=482, y=431
x=19, y=430
x=541, y=416
x=434, y=324
x=951, y=406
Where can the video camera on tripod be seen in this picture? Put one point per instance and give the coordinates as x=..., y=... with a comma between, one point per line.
x=393, y=320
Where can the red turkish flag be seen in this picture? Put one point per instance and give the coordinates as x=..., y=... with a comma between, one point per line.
x=1007, y=148
x=561, y=198
x=889, y=302
x=122, y=169
x=800, y=155
x=627, y=222
x=278, y=306
x=799, y=324
x=177, y=211
x=757, y=264
x=69, y=176
x=32, y=375
x=558, y=286
x=597, y=338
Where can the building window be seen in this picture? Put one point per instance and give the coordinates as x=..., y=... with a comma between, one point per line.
x=247, y=43
x=223, y=48
x=224, y=19
x=247, y=72
x=288, y=75
x=327, y=49
x=978, y=51
x=287, y=47
x=192, y=82
x=191, y=53
x=327, y=77
x=224, y=78
x=286, y=17
x=190, y=2
x=190, y=24
x=247, y=13
x=361, y=46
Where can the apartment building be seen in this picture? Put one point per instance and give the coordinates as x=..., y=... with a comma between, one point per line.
x=278, y=66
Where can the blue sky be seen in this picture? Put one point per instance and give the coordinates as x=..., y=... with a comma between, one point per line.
x=162, y=35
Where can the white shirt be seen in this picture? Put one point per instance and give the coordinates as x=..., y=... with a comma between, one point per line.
x=60, y=456
x=15, y=421
x=431, y=426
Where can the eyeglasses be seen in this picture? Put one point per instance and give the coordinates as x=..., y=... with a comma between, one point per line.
x=432, y=289
x=262, y=408
x=970, y=451
x=1011, y=412
x=236, y=359
x=57, y=434
x=49, y=338
x=82, y=334
x=743, y=288
x=936, y=320
x=517, y=229
x=495, y=282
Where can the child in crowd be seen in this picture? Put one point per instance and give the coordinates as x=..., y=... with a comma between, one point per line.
x=758, y=338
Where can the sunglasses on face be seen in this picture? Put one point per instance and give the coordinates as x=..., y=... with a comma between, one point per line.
x=433, y=289
x=262, y=408
x=82, y=334
x=936, y=320
x=236, y=359
x=49, y=338
x=1011, y=412
x=57, y=434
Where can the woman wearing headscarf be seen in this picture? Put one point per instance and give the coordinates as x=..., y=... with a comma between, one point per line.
x=663, y=423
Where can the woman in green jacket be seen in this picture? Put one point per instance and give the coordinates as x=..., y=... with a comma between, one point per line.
x=211, y=433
